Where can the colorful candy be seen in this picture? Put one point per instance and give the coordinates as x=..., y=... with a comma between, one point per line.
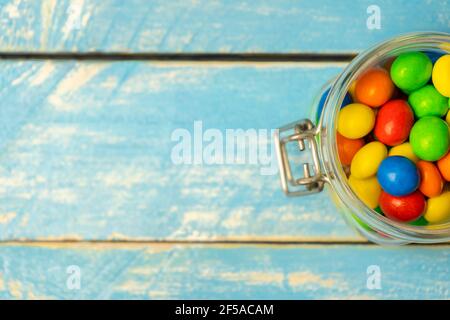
x=433, y=55
x=438, y=209
x=405, y=208
x=374, y=88
x=347, y=148
x=355, y=121
x=351, y=91
x=427, y=101
x=411, y=70
x=404, y=150
x=394, y=139
x=398, y=176
x=430, y=138
x=394, y=122
x=367, y=160
x=419, y=222
x=441, y=75
x=361, y=223
x=431, y=182
x=378, y=209
x=368, y=190
x=323, y=98
x=444, y=166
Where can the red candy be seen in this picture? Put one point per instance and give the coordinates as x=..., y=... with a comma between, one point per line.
x=394, y=122
x=406, y=208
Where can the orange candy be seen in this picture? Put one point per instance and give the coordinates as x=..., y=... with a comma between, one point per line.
x=444, y=166
x=374, y=88
x=347, y=148
x=431, y=182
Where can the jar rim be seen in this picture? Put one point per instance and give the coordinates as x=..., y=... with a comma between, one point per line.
x=430, y=41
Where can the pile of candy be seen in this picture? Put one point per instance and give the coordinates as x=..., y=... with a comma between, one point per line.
x=394, y=138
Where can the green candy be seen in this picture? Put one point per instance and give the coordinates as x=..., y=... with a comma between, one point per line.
x=419, y=222
x=362, y=224
x=429, y=138
x=411, y=71
x=427, y=101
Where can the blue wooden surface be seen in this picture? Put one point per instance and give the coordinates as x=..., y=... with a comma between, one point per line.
x=210, y=26
x=230, y=272
x=86, y=153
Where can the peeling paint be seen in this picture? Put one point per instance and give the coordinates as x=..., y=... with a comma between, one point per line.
x=237, y=218
x=5, y=218
x=298, y=279
x=132, y=287
x=76, y=78
x=2, y=282
x=45, y=71
x=144, y=270
x=254, y=277
x=200, y=217
x=15, y=289
x=47, y=10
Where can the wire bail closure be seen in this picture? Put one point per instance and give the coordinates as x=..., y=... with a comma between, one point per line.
x=304, y=133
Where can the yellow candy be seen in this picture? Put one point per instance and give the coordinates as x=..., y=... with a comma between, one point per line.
x=444, y=46
x=351, y=90
x=441, y=75
x=355, y=120
x=366, y=161
x=438, y=209
x=448, y=117
x=404, y=150
x=368, y=190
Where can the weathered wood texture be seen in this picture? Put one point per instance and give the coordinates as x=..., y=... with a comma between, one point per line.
x=210, y=26
x=86, y=152
x=233, y=272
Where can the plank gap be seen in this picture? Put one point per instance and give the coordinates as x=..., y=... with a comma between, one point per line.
x=200, y=242
x=177, y=57
x=206, y=243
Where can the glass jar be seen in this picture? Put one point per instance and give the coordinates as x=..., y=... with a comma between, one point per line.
x=318, y=139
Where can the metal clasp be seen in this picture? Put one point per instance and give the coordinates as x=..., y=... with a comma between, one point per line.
x=304, y=133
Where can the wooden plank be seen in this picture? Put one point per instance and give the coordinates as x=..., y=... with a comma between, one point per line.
x=210, y=26
x=216, y=272
x=86, y=152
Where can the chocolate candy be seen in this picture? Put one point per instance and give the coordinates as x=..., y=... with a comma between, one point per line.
x=427, y=101
x=411, y=70
x=374, y=87
x=394, y=140
x=431, y=182
x=398, y=176
x=430, y=138
x=441, y=75
x=405, y=208
x=367, y=160
x=355, y=120
x=394, y=122
x=438, y=209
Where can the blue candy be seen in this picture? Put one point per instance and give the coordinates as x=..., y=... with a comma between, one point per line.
x=347, y=100
x=433, y=55
x=398, y=176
